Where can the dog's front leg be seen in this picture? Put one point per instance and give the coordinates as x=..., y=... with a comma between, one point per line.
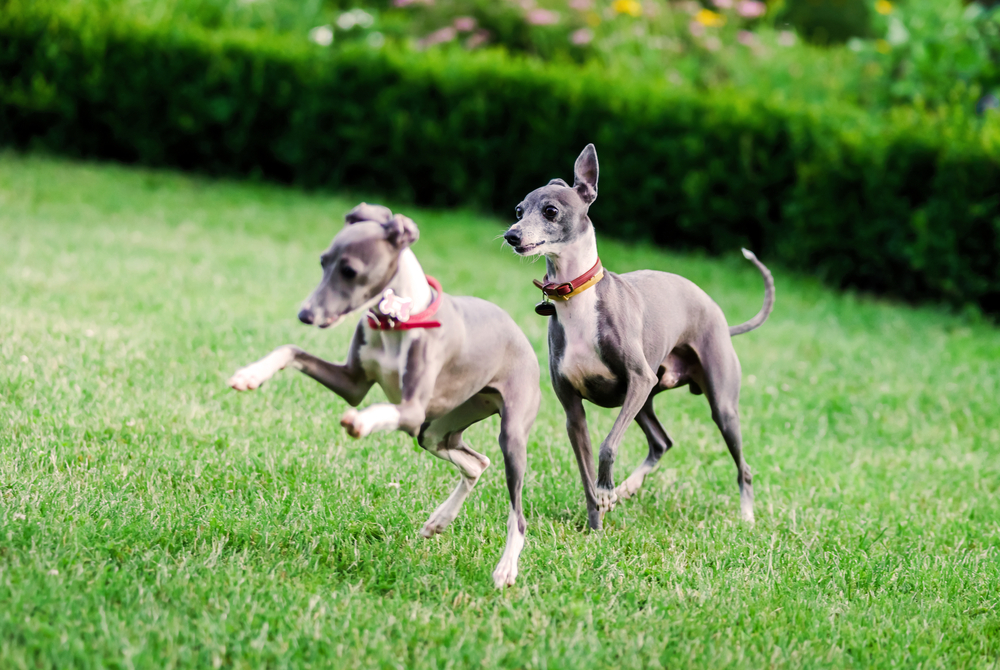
x=579, y=438
x=640, y=383
x=347, y=381
x=418, y=379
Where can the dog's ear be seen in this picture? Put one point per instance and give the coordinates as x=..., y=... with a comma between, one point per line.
x=558, y=182
x=585, y=174
x=366, y=212
x=400, y=231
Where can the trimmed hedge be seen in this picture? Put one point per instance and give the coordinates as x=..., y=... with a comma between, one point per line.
x=904, y=205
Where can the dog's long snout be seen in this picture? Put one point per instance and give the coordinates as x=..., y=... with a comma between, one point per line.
x=513, y=237
x=306, y=315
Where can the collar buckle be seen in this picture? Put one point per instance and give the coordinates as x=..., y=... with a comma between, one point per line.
x=559, y=289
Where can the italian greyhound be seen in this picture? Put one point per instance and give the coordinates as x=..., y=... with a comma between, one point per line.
x=445, y=362
x=618, y=340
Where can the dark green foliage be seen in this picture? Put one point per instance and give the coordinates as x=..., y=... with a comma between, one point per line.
x=829, y=21
x=903, y=205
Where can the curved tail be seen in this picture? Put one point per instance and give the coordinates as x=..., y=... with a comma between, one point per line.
x=765, y=310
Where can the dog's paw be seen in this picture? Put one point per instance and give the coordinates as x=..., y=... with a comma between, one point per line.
x=746, y=514
x=630, y=486
x=440, y=519
x=370, y=419
x=606, y=500
x=623, y=492
x=250, y=377
x=434, y=526
x=506, y=572
x=354, y=423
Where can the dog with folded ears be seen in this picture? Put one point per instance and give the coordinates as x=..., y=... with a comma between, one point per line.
x=445, y=362
x=619, y=340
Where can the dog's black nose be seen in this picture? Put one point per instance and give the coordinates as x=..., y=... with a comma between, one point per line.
x=306, y=316
x=513, y=238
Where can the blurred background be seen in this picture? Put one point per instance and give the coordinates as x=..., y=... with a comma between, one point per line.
x=856, y=140
x=871, y=53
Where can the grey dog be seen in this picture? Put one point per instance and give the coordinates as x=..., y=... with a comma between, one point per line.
x=618, y=340
x=442, y=375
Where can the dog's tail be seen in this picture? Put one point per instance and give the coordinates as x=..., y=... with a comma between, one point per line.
x=765, y=310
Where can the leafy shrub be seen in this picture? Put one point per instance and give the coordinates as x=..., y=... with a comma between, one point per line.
x=932, y=53
x=829, y=21
x=907, y=205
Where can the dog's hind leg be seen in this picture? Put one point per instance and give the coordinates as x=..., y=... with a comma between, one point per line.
x=518, y=414
x=443, y=438
x=659, y=443
x=721, y=370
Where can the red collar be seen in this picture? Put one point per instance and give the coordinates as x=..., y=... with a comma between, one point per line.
x=421, y=320
x=566, y=290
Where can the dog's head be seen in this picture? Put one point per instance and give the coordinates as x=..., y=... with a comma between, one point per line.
x=360, y=263
x=554, y=215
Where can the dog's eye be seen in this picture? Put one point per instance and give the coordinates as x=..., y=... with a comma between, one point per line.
x=347, y=272
x=550, y=212
x=518, y=212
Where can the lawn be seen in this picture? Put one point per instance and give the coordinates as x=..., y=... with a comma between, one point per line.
x=151, y=517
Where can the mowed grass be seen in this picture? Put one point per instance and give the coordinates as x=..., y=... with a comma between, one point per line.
x=151, y=517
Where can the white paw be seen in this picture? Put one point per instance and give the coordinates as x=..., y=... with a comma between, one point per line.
x=250, y=377
x=354, y=423
x=506, y=572
x=606, y=499
x=435, y=525
x=747, y=515
x=627, y=489
x=370, y=419
x=440, y=519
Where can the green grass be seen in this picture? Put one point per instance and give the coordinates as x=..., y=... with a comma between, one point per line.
x=150, y=517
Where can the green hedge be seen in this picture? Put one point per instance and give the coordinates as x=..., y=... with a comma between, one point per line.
x=904, y=205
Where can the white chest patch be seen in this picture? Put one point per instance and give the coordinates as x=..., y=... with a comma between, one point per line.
x=581, y=359
x=383, y=358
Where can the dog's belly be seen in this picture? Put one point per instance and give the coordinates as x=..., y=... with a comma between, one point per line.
x=583, y=368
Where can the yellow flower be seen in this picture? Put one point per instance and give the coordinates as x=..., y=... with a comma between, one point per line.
x=883, y=7
x=707, y=17
x=883, y=47
x=630, y=7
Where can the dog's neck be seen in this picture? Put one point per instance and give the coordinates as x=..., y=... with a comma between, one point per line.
x=573, y=259
x=411, y=282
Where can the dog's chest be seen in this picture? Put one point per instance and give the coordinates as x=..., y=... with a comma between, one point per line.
x=383, y=358
x=581, y=360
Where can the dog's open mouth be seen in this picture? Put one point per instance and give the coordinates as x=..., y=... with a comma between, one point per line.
x=525, y=248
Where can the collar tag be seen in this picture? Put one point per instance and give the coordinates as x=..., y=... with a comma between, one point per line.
x=395, y=311
x=545, y=308
x=395, y=307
